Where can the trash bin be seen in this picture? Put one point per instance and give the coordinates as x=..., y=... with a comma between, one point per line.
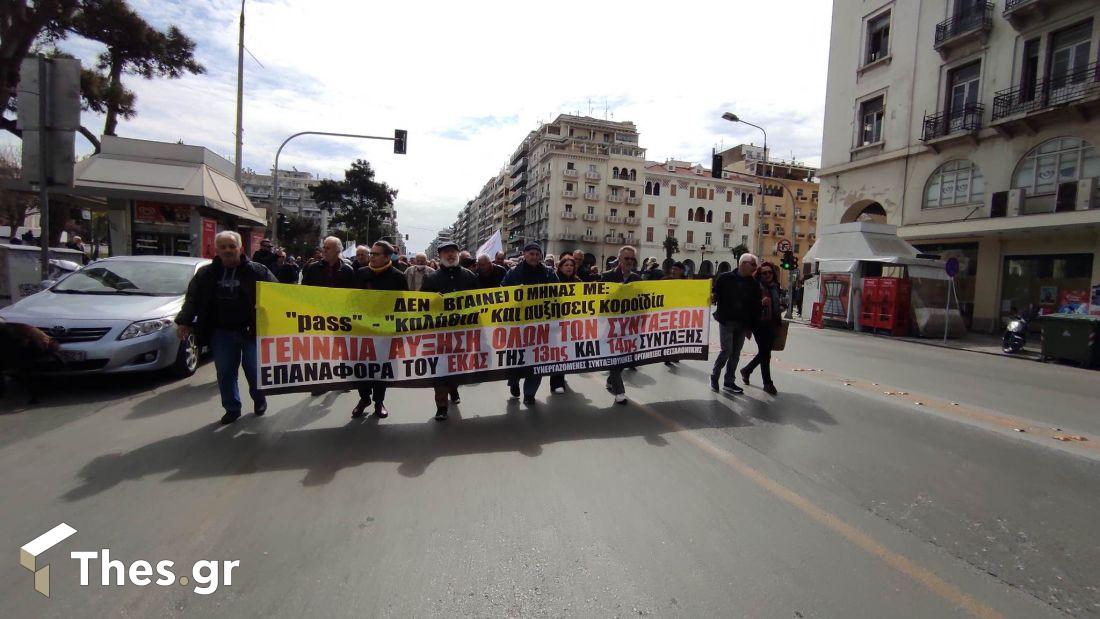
x=1072, y=337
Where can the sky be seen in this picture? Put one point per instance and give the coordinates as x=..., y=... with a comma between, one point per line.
x=468, y=80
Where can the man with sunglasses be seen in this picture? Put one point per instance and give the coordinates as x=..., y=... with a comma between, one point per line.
x=378, y=274
x=623, y=273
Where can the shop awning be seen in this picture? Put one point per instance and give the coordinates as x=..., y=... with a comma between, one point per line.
x=840, y=247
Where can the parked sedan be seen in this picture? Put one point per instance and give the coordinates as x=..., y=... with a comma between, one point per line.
x=116, y=315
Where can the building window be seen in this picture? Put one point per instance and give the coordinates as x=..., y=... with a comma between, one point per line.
x=725, y=240
x=569, y=165
x=648, y=188
x=691, y=192
x=649, y=235
x=568, y=208
x=813, y=196
x=878, y=38
x=728, y=217
x=710, y=194
x=672, y=189
x=744, y=199
x=710, y=217
x=745, y=240
x=691, y=215
x=729, y=196
x=954, y=183
x=630, y=214
x=592, y=167
x=671, y=233
x=1061, y=160
x=706, y=238
x=798, y=193
x=745, y=219
x=649, y=211
x=657, y=188
x=750, y=199
x=569, y=186
x=588, y=232
x=870, y=116
x=690, y=236
x=614, y=212
x=672, y=211
x=591, y=210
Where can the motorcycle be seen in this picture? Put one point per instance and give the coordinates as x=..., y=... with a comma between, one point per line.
x=1015, y=337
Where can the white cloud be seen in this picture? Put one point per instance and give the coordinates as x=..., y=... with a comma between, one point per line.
x=469, y=80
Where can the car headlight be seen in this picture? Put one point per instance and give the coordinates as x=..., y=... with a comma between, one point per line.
x=145, y=327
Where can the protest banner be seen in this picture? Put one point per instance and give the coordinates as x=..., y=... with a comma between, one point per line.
x=312, y=339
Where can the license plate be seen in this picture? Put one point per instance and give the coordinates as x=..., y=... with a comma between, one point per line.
x=72, y=355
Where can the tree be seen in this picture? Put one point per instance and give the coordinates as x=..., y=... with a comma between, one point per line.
x=672, y=246
x=14, y=205
x=359, y=203
x=738, y=250
x=300, y=235
x=22, y=26
x=133, y=47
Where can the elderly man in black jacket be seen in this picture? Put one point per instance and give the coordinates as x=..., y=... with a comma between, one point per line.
x=623, y=273
x=489, y=274
x=527, y=273
x=265, y=255
x=331, y=271
x=449, y=278
x=220, y=310
x=739, y=301
x=378, y=274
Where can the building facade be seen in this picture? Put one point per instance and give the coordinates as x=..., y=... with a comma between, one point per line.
x=972, y=128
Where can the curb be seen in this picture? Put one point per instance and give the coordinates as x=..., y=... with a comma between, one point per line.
x=1025, y=355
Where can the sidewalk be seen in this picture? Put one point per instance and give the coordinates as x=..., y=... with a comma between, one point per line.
x=974, y=342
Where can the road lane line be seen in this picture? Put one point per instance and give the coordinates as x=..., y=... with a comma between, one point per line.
x=922, y=575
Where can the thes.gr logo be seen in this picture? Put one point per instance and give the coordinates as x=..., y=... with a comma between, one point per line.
x=28, y=555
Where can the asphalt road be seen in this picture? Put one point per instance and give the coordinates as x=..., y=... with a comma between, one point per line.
x=886, y=480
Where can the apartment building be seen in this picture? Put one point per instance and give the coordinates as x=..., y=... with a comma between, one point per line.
x=971, y=126
x=787, y=203
x=294, y=192
x=707, y=216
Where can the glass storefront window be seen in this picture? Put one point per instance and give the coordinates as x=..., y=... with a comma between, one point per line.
x=967, y=255
x=1050, y=283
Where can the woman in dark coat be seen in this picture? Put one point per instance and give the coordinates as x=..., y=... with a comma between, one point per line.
x=765, y=328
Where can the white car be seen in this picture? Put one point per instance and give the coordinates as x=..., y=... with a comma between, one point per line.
x=116, y=315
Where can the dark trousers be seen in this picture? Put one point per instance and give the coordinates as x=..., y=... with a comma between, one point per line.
x=530, y=384
x=765, y=338
x=732, y=338
x=615, y=381
x=373, y=391
x=233, y=349
x=444, y=388
x=557, y=381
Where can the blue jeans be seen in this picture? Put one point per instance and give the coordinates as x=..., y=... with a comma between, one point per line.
x=530, y=385
x=231, y=349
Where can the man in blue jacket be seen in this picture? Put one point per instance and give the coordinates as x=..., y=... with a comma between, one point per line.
x=527, y=273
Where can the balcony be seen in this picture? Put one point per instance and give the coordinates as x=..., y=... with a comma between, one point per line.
x=568, y=193
x=691, y=247
x=567, y=236
x=592, y=176
x=518, y=181
x=1020, y=13
x=632, y=221
x=706, y=248
x=590, y=238
x=633, y=200
x=729, y=225
x=672, y=221
x=517, y=197
x=568, y=215
x=618, y=239
x=614, y=197
x=591, y=195
x=1026, y=103
x=590, y=217
x=614, y=219
x=570, y=173
x=958, y=123
x=972, y=25
x=516, y=210
x=519, y=166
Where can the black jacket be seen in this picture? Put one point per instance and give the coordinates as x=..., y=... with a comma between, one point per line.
x=390, y=279
x=493, y=278
x=267, y=258
x=198, y=304
x=287, y=274
x=450, y=279
x=524, y=274
x=615, y=276
x=319, y=274
x=738, y=298
x=654, y=273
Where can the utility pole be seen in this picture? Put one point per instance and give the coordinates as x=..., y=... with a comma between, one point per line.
x=43, y=167
x=240, y=99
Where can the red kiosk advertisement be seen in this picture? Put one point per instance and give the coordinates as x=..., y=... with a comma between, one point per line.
x=209, y=231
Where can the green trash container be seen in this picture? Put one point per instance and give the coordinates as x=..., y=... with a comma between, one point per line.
x=1072, y=337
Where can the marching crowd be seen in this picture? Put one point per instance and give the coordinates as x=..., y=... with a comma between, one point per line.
x=219, y=309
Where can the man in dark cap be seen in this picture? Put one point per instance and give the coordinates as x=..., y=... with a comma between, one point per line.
x=528, y=273
x=450, y=277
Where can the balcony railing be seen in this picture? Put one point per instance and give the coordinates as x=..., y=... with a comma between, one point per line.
x=672, y=221
x=728, y=225
x=614, y=219
x=590, y=238
x=706, y=248
x=518, y=181
x=633, y=200
x=592, y=176
x=615, y=240
x=591, y=195
x=612, y=197
x=691, y=247
x=568, y=215
x=1052, y=92
x=570, y=173
x=567, y=236
x=568, y=193
x=590, y=217
x=967, y=118
x=632, y=221
x=978, y=19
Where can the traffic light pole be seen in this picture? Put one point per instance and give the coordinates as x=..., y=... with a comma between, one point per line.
x=399, y=148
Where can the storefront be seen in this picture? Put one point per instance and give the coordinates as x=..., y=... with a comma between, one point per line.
x=1053, y=283
x=966, y=280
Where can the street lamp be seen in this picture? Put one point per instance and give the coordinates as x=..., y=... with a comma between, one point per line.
x=399, y=139
x=734, y=119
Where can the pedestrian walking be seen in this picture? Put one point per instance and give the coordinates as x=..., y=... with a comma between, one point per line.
x=532, y=271
x=362, y=257
x=265, y=256
x=220, y=309
x=331, y=271
x=675, y=271
x=489, y=274
x=286, y=270
x=450, y=277
x=417, y=271
x=567, y=274
x=765, y=328
x=379, y=274
x=738, y=299
x=623, y=273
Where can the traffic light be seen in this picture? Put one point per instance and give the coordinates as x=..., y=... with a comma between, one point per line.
x=788, y=263
x=716, y=165
x=400, y=138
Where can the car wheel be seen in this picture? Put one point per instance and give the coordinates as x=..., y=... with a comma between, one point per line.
x=187, y=359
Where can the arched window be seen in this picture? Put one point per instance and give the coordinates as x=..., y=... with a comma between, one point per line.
x=710, y=217
x=1061, y=160
x=614, y=172
x=633, y=174
x=954, y=183
x=648, y=188
x=691, y=215
x=750, y=199
x=657, y=188
x=700, y=214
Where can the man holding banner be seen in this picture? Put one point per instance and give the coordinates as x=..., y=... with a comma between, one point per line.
x=528, y=273
x=623, y=273
x=378, y=274
x=449, y=278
